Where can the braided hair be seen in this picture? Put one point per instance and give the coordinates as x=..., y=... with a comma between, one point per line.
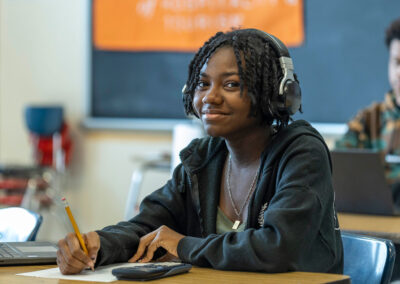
x=259, y=72
x=392, y=32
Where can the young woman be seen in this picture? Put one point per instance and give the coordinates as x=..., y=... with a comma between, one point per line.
x=254, y=195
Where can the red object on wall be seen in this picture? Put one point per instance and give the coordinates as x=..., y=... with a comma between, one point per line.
x=44, y=147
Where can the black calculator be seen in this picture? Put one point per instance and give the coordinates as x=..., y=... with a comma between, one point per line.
x=150, y=271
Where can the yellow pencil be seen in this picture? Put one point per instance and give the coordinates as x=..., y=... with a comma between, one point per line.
x=76, y=229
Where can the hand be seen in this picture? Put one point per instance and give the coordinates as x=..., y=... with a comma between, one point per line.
x=162, y=237
x=168, y=258
x=71, y=259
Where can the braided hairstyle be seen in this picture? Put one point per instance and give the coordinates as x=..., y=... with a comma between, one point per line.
x=392, y=32
x=259, y=72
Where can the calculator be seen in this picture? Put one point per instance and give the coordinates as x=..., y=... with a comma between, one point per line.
x=150, y=271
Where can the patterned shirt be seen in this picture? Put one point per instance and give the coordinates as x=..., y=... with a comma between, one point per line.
x=376, y=127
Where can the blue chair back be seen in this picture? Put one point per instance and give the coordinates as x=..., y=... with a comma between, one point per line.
x=18, y=224
x=44, y=120
x=368, y=259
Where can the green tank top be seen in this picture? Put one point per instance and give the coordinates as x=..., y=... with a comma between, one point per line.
x=224, y=224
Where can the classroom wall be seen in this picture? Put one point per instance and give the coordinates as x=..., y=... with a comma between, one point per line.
x=44, y=59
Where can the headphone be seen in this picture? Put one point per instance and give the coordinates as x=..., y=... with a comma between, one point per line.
x=288, y=100
x=289, y=97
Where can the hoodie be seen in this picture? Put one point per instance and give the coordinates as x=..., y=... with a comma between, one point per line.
x=291, y=225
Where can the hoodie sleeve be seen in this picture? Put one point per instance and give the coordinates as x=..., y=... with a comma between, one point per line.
x=165, y=206
x=298, y=231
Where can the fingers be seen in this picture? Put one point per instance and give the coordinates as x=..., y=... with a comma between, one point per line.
x=66, y=261
x=77, y=252
x=153, y=245
x=142, y=247
x=66, y=266
x=168, y=257
x=92, y=242
x=70, y=257
x=162, y=237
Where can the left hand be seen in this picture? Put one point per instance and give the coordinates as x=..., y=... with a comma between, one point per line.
x=162, y=237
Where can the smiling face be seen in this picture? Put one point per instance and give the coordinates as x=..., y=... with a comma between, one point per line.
x=218, y=101
x=394, y=68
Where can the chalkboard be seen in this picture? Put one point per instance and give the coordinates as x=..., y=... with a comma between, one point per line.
x=342, y=67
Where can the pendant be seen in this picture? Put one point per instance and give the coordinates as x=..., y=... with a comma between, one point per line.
x=236, y=225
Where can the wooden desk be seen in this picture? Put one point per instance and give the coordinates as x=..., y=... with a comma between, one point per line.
x=387, y=227
x=195, y=275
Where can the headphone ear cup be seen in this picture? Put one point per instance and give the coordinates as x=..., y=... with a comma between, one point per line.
x=291, y=97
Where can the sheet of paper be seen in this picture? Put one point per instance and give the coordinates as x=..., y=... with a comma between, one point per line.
x=101, y=274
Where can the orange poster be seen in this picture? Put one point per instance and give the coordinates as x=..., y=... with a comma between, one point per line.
x=184, y=25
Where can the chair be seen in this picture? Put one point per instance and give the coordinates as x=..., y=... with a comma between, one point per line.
x=132, y=202
x=18, y=224
x=368, y=259
x=183, y=134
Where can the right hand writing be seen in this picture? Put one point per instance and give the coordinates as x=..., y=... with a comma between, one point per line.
x=71, y=259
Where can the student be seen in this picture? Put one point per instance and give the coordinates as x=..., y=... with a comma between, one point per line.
x=378, y=126
x=255, y=195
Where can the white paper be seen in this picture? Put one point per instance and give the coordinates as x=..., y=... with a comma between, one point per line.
x=101, y=274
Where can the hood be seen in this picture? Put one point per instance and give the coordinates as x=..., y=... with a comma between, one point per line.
x=201, y=150
x=282, y=139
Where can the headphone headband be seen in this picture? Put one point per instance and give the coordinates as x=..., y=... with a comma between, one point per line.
x=277, y=44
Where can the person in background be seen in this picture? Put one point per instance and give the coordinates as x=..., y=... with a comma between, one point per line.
x=377, y=127
x=254, y=195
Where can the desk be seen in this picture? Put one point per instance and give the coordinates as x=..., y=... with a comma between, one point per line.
x=196, y=275
x=387, y=227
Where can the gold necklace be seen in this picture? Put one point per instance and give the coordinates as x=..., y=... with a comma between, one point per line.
x=251, y=189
